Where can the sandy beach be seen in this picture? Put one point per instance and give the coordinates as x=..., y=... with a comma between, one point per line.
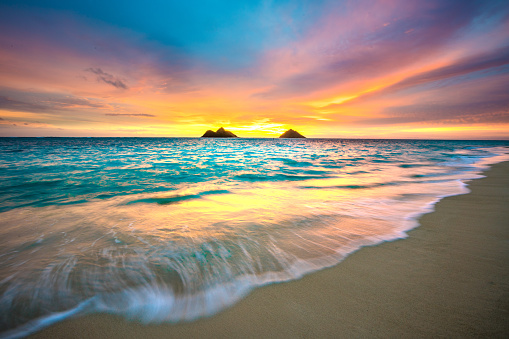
x=449, y=278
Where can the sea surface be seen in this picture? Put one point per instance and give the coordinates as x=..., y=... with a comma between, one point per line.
x=174, y=229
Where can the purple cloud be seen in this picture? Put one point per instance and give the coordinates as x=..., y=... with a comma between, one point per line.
x=131, y=114
x=37, y=102
x=368, y=53
x=107, y=78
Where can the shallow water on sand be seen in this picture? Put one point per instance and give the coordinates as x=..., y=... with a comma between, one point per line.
x=176, y=229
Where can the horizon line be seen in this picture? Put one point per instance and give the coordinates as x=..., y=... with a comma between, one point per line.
x=315, y=138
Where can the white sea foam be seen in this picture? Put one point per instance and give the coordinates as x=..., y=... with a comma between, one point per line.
x=40, y=323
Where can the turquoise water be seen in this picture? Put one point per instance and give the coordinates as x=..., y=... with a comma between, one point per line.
x=169, y=229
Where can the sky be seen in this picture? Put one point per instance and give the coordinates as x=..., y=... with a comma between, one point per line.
x=435, y=69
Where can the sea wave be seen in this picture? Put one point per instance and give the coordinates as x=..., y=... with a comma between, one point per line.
x=169, y=250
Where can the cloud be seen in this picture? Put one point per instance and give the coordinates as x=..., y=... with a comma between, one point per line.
x=38, y=102
x=471, y=66
x=66, y=105
x=460, y=113
x=20, y=106
x=341, y=54
x=131, y=114
x=480, y=100
x=22, y=123
x=107, y=78
x=492, y=59
x=115, y=55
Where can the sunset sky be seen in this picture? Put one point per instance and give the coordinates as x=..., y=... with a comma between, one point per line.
x=347, y=69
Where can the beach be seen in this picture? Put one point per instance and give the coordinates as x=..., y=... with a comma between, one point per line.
x=449, y=278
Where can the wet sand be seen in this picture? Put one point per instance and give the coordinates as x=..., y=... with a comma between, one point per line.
x=449, y=278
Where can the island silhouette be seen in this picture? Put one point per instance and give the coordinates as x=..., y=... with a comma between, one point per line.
x=222, y=133
x=291, y=134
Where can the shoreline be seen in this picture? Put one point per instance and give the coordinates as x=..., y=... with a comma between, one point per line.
x=449, y=277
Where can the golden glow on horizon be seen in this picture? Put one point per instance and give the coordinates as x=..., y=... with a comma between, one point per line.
x=261, y=127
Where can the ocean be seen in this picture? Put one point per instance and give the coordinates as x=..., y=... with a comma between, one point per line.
x=174, y=229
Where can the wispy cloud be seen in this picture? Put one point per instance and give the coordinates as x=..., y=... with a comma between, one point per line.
x=131, y=114
x=340, y=54
x=460, y=113
x=468, y=66
x=40, y=102
x=107, y=78
x=479, y=62
x=65, y=105
x=9, y=104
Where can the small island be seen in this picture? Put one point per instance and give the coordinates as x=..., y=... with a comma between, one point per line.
x=220, y=133
x=291, y=134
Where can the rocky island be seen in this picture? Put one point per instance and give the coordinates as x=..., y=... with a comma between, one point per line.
x=220, y=133
x=291, y=134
